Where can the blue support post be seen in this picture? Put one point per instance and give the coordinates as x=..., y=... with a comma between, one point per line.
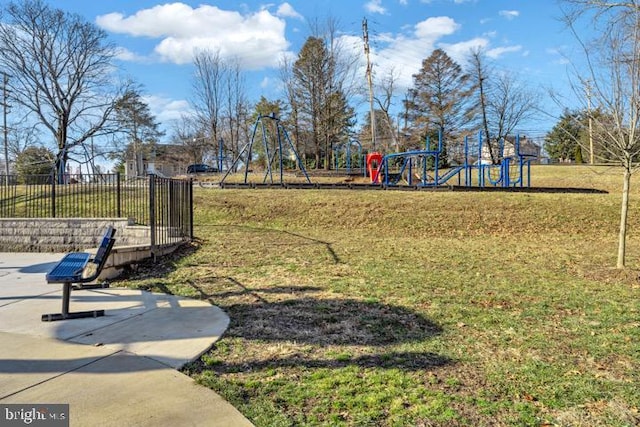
x=300, y=163
x=437, y=159
x=268, y=172
x=480, y=163
x=467, y=169
x=520, y=161
x=505, y=172
x=249, y=153
x=424, y=161
x=280, y=148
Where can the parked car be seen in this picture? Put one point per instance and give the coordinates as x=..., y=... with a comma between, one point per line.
x=201, y=168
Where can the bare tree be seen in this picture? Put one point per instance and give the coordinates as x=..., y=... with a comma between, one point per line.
x=504, y=102
x=60, y=67
x=220, y=103
x=188, y=132
x=386, y=87
x=511, y=103
x=612, y=75
x=235, y=115
x=208, y=92
x=139, y=127
x=481, y=75
x=293, y=119
x=21, y=132
x=320, y=84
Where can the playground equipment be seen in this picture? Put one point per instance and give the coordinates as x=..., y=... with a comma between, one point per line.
x=423, y=166
x=350, y=157
x=274, y=140
x=374, y=165
x=220, y=158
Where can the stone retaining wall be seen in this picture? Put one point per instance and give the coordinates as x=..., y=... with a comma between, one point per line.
x=133, y=242
x=66, y=235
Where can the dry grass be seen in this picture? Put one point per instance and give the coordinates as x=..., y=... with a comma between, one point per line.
x=433, y=309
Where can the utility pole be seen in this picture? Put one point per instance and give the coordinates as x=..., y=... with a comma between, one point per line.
x=372, y=116
x=5, y=106
x=591, y=156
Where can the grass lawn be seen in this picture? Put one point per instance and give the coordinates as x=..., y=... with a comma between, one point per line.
x=370, y=308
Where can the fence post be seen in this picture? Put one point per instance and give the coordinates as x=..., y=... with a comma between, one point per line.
x=190, y=195
x=53, y=196
x=118, y=196
x=152, y=212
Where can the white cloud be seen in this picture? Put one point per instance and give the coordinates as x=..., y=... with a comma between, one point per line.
x=166, y=109
x=459, y=52
x=124, y=54
x=285, y=10
x=509, y=14
x=405, y=52
x=434, y=28
x=256, y=39
x=499, y=51
x=375, y=6
x=403, y=2
x=559, y=55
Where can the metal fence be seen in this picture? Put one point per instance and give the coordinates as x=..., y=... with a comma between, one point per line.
x=165, y=205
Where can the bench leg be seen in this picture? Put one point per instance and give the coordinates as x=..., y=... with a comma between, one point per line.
x=66, y=296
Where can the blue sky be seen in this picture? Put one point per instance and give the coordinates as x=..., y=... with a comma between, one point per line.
x=156, y=40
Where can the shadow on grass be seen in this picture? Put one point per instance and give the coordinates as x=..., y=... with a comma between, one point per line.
x=406, y=361
x=347, y=327
x=343, y=331
x=323, y=321
x=265, y=230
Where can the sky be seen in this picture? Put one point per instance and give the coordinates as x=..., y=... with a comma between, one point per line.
x=156, y=41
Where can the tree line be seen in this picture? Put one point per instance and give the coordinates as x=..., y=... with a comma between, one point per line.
x=63, y=82
x=62, y=87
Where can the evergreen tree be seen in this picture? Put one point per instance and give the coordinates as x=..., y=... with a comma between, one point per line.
x=563, y=141
x=138, y=124
x=34, y=160
x=440, y=100
x=324, y=115
x=385, y=138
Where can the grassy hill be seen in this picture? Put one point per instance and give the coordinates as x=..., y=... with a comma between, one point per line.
x=419, y=308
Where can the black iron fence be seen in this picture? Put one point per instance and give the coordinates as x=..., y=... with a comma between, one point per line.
x=165, y=205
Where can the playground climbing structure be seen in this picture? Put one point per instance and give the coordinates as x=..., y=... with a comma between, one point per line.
x=473, y=168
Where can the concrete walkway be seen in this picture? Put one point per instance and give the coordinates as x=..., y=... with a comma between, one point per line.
x=115, y=370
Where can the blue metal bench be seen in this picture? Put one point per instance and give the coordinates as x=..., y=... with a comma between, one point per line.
x=79, y=268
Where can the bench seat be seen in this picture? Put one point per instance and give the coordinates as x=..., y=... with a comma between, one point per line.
x=79, y=268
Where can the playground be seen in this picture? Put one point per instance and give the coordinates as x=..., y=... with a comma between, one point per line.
x=271, y=158
x=418, y=308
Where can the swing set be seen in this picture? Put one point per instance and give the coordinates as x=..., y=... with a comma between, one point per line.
x=275, y=140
